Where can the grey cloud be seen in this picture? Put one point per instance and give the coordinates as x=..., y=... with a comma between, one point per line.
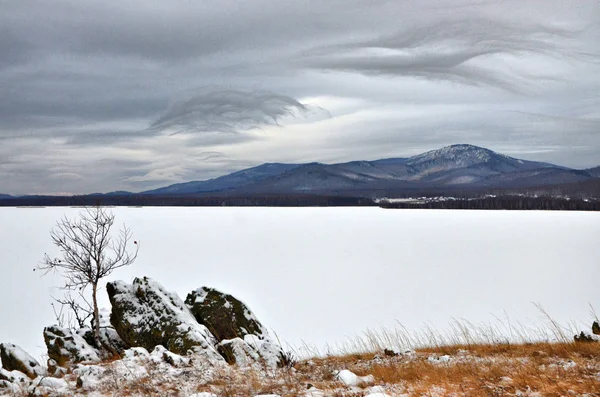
x=84, y=85
x=449, y=50
x=230, y=111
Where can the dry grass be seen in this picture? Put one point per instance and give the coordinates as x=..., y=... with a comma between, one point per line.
x=550, y=369
x=531, y=369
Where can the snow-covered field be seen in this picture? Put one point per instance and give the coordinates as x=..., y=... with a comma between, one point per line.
x=318, y=276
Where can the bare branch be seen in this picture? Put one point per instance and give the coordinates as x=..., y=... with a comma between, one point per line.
x=88, y=253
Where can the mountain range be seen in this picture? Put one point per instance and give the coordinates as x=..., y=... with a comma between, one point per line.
x=453, y=168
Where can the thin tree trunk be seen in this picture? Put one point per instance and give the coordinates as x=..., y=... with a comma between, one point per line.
x=96, y=318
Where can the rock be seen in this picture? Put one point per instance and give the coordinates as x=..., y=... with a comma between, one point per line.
x=242, y=338
x=596, y=328
x=160, y=354
x=68, y=347
x=13, y=376
x=16, y=359
x=109, y=336
x=390, y=353
x=138, y=353
x=585, y=337
x=6, y=386
x=237, y=351
x=144, y=314
x=349, y=378
x=54, y=370
x=225, y=316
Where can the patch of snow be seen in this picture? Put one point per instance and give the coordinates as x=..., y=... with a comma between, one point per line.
x=439, y=359
x=349, y=378
x=136, y=353
x=161, y=354
x=314, y=392
x=57, y=385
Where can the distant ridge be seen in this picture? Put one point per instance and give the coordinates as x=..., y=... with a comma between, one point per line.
x=460, y=170
x=595, y=172
x=460, y=166
x=227, y=182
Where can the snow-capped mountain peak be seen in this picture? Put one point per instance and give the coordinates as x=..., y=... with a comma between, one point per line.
x=461, y=155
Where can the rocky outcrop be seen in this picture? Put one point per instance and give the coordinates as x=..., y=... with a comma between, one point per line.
x=225, y=316
x=242, y=338
x=66, y=346
x=144, y=314
x=585, y=336
x=16, y=359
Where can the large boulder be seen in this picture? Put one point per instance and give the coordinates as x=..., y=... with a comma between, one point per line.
x=242, y=338
x=108, y=334
x=596, y=328
x=144, y=314
x=225, y=316
x=16, y=359
x=66, y=346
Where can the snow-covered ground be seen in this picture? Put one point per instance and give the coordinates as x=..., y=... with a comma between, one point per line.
x=317, y=276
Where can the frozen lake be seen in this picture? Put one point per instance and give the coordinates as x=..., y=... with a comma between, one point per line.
x=321, y=275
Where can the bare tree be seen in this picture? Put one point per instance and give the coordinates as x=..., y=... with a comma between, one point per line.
x=89, y=253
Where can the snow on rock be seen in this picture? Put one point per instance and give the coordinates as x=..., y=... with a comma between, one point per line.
x=225, y=316
x=16, y=359
x=108, y=333
x=349, y=378
x=238, y=351
x=67, y=347
x=43, y=386
x=13, y=376
x=203, y=394
x=145, y=314
x=88, y=376
x=136, y=353
x=242, y=338
x=160, y=354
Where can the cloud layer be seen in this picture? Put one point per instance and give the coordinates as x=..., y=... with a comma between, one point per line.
x=134, y=95
x=216, y=110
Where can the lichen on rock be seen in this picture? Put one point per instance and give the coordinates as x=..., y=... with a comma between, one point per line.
x=224, y=315
x=16, y=359
x=242, y=338
x=66, y=346
x=144, y=314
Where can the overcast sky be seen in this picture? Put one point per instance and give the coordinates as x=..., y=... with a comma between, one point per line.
x=98, y=96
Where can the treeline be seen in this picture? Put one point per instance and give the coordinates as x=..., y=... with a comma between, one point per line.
x=187, y=201
x=503, y=203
